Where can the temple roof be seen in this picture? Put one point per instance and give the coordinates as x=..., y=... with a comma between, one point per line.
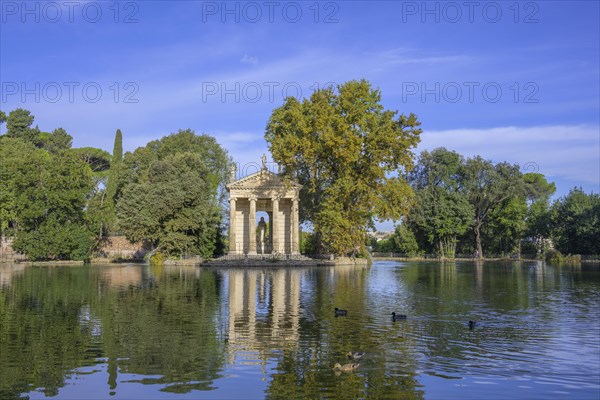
x=263, y=179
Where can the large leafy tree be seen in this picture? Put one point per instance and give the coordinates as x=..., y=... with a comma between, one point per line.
x=169, y=194
x=576, y=223
x=442, y=211
x=13, y=153
x=50, y=192
x=487, y=187
x=346, y=150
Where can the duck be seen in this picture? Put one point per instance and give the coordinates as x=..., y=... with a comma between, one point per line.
x=341, y=313
x=397, y=317
x=356, y=355
x=472, y=324
x=345, y=367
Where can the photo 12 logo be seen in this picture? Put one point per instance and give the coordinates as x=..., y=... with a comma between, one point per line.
x=254, y=92
x=269, y=11
x=452, y=12
x=469, y=92
x=71, y=92
x=53, y=12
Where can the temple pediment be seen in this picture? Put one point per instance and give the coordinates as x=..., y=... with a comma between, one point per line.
x=263, y=179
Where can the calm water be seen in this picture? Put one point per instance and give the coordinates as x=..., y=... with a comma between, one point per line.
x=138, y=332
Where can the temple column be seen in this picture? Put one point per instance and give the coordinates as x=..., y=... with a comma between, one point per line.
x=270, y=214
x=252, y=227
x=275, y=250
x=232, y=227
x=295, y=227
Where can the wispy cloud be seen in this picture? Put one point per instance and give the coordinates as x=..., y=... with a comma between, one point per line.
x=559, y=151
x=249, y=60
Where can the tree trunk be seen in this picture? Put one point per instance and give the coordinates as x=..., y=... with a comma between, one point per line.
x=478, y=240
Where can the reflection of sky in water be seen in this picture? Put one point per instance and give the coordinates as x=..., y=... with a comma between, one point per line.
x=235, y=377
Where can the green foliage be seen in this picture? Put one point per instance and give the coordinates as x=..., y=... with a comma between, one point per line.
x=576, y=223
x=488, y=187
x=18, y=125
x=55, y=142
x=97, y=159
x=507, y=224
x=169, y=194
x=538, y=220
x=386, y=245
x=405, y=241
x=107, y=201
x=157, y=258
x=537, y=187
x=54, y=240
x=342, y=147
x=308, y=243
x=49, y=203
x=442, y=211
x=13, y=152
x=115, y=168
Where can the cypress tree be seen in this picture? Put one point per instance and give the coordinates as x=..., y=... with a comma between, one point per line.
x=113, y=176
x=115, y=167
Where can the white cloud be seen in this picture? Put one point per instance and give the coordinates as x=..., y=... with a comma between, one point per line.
x=249, y=60
x=560, y=151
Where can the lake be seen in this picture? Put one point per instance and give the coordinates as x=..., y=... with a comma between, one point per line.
x=141, y=332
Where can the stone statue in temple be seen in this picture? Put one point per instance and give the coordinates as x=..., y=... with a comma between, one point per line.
x=262, y=228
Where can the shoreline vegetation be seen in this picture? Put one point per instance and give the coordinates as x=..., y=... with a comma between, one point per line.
x=568, y=260
x=355, y=160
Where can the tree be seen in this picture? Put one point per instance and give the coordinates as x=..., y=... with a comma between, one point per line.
x=97, y=159
x=538, y=219
x=345, y=149
x=18, y=125
x=442, y=211
x=169, y=194
x=506, y=226
x=115, y=171
x=57, y=141
x=576, y=223
x=488, y=186
x=50, y=192
x=405, y=241
x=13, y=153
x=97, y=215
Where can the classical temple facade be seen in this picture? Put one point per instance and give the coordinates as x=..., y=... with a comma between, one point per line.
x=268, y=192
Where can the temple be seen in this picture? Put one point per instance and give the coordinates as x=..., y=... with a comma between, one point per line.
x=267, y=192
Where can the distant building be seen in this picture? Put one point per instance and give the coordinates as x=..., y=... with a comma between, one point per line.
x=381, y=235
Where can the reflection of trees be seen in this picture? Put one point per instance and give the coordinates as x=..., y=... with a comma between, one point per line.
x=178, y=327
x=167, y=329
x=41, y=335
x=53, y=321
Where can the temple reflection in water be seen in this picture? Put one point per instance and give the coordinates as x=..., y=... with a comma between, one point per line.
x=263, y=312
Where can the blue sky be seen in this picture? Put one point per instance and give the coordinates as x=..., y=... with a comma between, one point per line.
x=515, y=81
